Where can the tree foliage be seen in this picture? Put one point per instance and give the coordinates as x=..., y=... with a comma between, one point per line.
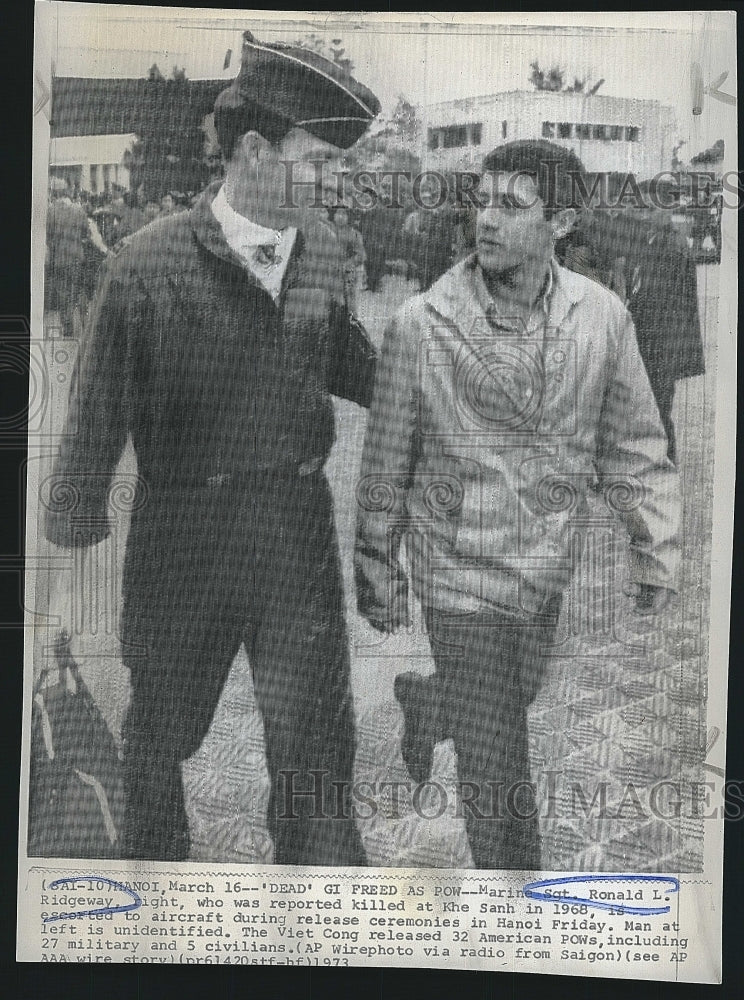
x=335, y=51
x=554, y=79
x=397, y=135
x=405, y=126
x=551, y=79
x=169, y=154
x=714, y=154
x=676, y=158
x=393, y=141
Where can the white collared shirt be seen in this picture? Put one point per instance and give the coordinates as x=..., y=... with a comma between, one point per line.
x=245, y=238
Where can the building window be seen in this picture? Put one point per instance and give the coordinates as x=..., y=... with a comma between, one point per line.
x=455, y=135
x=452, y=136
x=600, y=133
x=503, y=129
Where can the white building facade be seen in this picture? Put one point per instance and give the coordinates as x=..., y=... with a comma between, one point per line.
x=612, y=134
x=91, y=162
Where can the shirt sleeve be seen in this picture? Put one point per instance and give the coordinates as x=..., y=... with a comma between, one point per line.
x=641, y=483
x=95, y=434
x=388, y=462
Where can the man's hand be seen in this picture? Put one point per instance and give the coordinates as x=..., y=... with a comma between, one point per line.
x=649, y=599
x=59, y=603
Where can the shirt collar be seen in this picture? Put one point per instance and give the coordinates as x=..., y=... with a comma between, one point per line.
x=238, y=229
x=458, y=298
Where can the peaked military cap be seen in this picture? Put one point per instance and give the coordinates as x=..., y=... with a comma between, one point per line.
x=302, y=89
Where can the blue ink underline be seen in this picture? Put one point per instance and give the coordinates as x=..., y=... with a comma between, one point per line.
x=75, y=915
x=532, y=891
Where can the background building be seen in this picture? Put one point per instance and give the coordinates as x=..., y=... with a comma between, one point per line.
x=131, y=132
x=607, y=133
x=91, y=162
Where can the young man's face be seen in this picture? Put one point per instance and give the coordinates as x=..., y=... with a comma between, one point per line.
x=513, y=231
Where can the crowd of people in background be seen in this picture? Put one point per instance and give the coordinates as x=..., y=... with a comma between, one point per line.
x=636, y=252
x=643, y=258
x=82, y=229
x=639, y=254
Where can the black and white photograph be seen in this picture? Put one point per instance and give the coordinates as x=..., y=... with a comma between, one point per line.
x=380, y=488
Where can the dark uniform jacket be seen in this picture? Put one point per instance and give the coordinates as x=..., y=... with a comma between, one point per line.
x=212, y=379
x=648, y=265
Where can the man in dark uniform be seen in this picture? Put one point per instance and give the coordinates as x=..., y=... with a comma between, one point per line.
x=437, y=236
x=381, y=228
x=647, y=264
x=216, y=340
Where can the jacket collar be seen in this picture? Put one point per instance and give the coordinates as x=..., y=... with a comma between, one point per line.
x=209, y=233
x=207, y=229
x=239, y=230
x=458, y=297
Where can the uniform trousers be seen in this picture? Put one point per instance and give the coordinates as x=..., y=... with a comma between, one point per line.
x=250, y=560
x=489, y=667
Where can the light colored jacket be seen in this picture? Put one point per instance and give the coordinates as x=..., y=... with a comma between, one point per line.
x=482, y=444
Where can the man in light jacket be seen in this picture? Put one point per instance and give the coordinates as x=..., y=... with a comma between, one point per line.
x=503, y=393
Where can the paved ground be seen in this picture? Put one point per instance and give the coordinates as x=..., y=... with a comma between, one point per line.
x=622, y=710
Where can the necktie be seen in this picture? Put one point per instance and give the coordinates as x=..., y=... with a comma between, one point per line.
x=266, y=255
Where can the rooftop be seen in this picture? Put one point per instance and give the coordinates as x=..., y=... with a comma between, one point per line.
x=83, y=106
x=485, y=98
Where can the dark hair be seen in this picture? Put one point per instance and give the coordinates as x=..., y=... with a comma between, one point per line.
x=553, y=168
x=232, y=122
